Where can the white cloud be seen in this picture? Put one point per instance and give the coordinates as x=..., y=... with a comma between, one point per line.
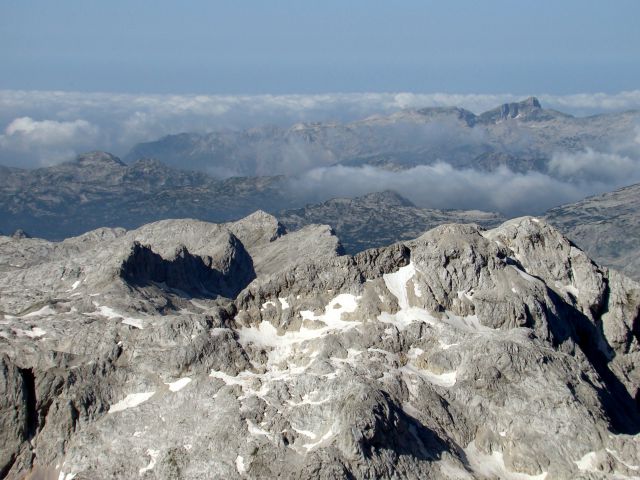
x=442, y=186
x=46, y=141
x=48, y=132
x=115, y=122
x=585, y=103
x=593, y=165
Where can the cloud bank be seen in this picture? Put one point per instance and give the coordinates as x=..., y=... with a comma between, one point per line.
x=571, y=176
x=115, y=122
x=445, y=187
x=46, y=141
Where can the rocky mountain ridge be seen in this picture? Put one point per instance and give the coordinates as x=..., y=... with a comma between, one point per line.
x=185, y=349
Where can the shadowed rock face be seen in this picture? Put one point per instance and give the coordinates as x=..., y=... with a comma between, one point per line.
x=194, y=275
x=185, y=349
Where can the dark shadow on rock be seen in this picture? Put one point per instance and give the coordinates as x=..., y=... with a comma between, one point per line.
x=570, y=323
x=191, y=275
x=379, y=424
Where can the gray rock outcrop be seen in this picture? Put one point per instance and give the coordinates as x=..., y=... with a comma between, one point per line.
x=185, y=349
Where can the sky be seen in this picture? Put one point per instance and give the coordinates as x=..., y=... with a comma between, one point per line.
x=293, y=46
x=81, y=75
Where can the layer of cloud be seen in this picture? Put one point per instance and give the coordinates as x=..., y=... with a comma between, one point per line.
x=591, y=165
x=443, y=186
x=42, y=128
x=118, y=121
x=46, y=142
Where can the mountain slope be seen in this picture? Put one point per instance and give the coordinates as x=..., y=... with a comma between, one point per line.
x=190, y=350
x=379, y=219
x=606, y=226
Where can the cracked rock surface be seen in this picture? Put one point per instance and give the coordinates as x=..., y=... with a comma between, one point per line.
x=185, y=349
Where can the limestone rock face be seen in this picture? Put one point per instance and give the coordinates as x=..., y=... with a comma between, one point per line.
x=185, y=349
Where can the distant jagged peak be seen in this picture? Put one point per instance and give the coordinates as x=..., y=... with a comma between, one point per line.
x=527, y=105
x=98, y=158
x=531, y=102
x=527, y=109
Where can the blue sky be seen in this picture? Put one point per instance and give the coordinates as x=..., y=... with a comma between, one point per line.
x=287, y=46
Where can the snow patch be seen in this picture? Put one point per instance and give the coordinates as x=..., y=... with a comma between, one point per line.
x=326, y=436
x=152, y=462
x=447, y=379
x=269, y=303
x=266, y=335
x=283, y=303
x=240, y=464
x=307, y=401
x=35, y=332
x=178, y=384
x=468, y=294
x=397, y=284
x=111, y=314
x=246, y=380
x=332, y=317
x=46, y=310
x=306, y=433
x=588, y=462
x=447, y=346
x=256, y=430
x=492, y=466
x=130, y=401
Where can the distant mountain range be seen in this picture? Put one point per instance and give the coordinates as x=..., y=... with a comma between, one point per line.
x=379, y=219
x=606, y=226
x=522, y=136
x=97, y=189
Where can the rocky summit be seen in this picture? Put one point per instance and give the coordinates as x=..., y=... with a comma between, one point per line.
x=186, y=349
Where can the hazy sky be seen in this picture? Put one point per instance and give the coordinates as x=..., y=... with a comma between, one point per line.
x=293, y=46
